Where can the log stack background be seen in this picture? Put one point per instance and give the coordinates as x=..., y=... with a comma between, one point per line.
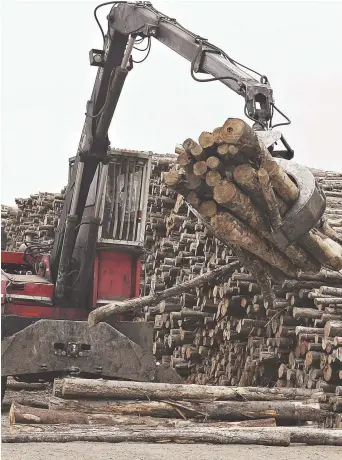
x=35, y=218
x=226, y=333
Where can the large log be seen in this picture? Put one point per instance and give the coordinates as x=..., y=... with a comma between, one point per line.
x=217, y=410
x=331, y=290
x=238, y=133
x=281, y=182
x=270, y=200
x=74, y=388
x=231, y=230
x=30, y=415
x=215, y=435
x=247, y=178
x=99, y=314
x=185, y=434
x=326, y=251
x=226, y=193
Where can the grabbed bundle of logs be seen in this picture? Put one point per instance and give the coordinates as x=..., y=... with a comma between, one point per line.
x=248, y=201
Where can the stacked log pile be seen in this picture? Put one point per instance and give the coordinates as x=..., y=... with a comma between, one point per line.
x=226, y=333
x=230, y=332
x=118, y=411
x=331, y=183
x=35, y=219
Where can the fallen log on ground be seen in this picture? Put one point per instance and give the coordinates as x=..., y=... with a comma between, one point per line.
x=184, y=435
x=272, y=436
x=29, y=415
x=88, y=388
x=219, y=410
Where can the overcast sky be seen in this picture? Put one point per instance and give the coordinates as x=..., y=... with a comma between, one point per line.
x=47, y=80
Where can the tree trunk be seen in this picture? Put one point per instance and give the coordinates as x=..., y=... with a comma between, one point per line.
x=87, y=388
x=326, y=251
x=331, y=290
x=200, y=168
x=227, y=194
x=206, y=140
x=247, y=178
x=100, y=313
x=20, y=414
x=208, y=208
x=194, y=149
x=231, y=230
x=333, y=328
x=214, y=435
x=213, y=163
x=238, y=133
x=213, y=178
x=219, y=410
x=270, y=200
x=280, y=181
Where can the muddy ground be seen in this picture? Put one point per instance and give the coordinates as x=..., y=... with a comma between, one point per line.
x=139, y=451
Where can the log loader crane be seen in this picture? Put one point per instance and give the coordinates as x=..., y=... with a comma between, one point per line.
x=94, y=258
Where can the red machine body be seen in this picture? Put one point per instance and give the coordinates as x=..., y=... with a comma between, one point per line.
x=116, y=277
x=42, y=337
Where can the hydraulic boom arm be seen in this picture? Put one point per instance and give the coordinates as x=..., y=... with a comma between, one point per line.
x=128, y=22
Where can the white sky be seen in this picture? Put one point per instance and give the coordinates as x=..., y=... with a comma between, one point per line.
x=47, y=80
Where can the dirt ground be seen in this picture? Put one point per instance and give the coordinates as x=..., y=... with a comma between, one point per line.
x=140, y=451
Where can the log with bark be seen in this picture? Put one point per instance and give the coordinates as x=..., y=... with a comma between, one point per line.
x=88, y=388
x=273, y=436
x=217, y=410
x=29, y=415
x=101, y=313
x=184, y=435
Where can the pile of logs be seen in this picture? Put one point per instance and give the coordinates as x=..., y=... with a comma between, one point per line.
x=34, y=219
x=331, y=184
x=231, y=332
x=117, y=411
